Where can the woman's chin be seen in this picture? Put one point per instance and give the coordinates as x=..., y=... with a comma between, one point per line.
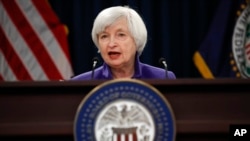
x=116, y=65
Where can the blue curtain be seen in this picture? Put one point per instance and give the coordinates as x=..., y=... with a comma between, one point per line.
x=176, y=29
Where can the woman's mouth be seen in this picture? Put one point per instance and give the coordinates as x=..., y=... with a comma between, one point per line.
x=114, y=55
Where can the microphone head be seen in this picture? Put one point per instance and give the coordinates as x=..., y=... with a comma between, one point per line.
x=161, y=60
x=95, y=59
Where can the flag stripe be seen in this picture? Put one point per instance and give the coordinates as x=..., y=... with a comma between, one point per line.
x=44, y=37
x=5, y=68
x=50, y=17
x=20, y=47
x=14, y=60
x=37, y=21
x=32, y=40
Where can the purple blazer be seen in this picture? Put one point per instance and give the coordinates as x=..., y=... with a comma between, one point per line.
x=142, y=71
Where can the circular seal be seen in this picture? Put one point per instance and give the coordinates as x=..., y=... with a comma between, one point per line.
x=241, y=42
x=124, y=110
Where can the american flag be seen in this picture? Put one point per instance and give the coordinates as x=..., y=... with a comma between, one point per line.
x=33, y=42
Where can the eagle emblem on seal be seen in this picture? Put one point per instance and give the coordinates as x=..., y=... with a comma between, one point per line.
x=125, y=121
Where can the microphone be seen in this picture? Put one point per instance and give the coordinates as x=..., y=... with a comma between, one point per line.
x=164, y=63
x=95, y=60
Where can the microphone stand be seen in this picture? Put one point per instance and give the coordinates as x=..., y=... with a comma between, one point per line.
x=163, y=61
x=95, y=61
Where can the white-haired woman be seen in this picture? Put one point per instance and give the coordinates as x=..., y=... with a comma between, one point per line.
x=120, y=35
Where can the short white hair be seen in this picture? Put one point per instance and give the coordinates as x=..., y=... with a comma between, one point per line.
x=110, y=15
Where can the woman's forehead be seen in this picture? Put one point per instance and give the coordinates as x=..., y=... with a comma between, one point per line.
x=119, y=24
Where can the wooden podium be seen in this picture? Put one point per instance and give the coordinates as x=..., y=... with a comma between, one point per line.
x=45, y=111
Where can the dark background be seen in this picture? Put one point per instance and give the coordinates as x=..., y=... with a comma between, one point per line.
x=176, y=29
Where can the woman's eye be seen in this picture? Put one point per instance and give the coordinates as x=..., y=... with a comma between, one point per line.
x=121, y=34
x=103, y=36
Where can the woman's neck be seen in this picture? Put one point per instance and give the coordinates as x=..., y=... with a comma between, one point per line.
x=122, y=72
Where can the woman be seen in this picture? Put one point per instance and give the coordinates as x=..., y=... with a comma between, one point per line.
x=120, y=35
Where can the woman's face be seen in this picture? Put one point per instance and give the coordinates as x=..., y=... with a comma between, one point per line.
x=116, y=45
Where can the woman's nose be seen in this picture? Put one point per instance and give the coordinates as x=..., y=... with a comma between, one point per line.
x=112, y=42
